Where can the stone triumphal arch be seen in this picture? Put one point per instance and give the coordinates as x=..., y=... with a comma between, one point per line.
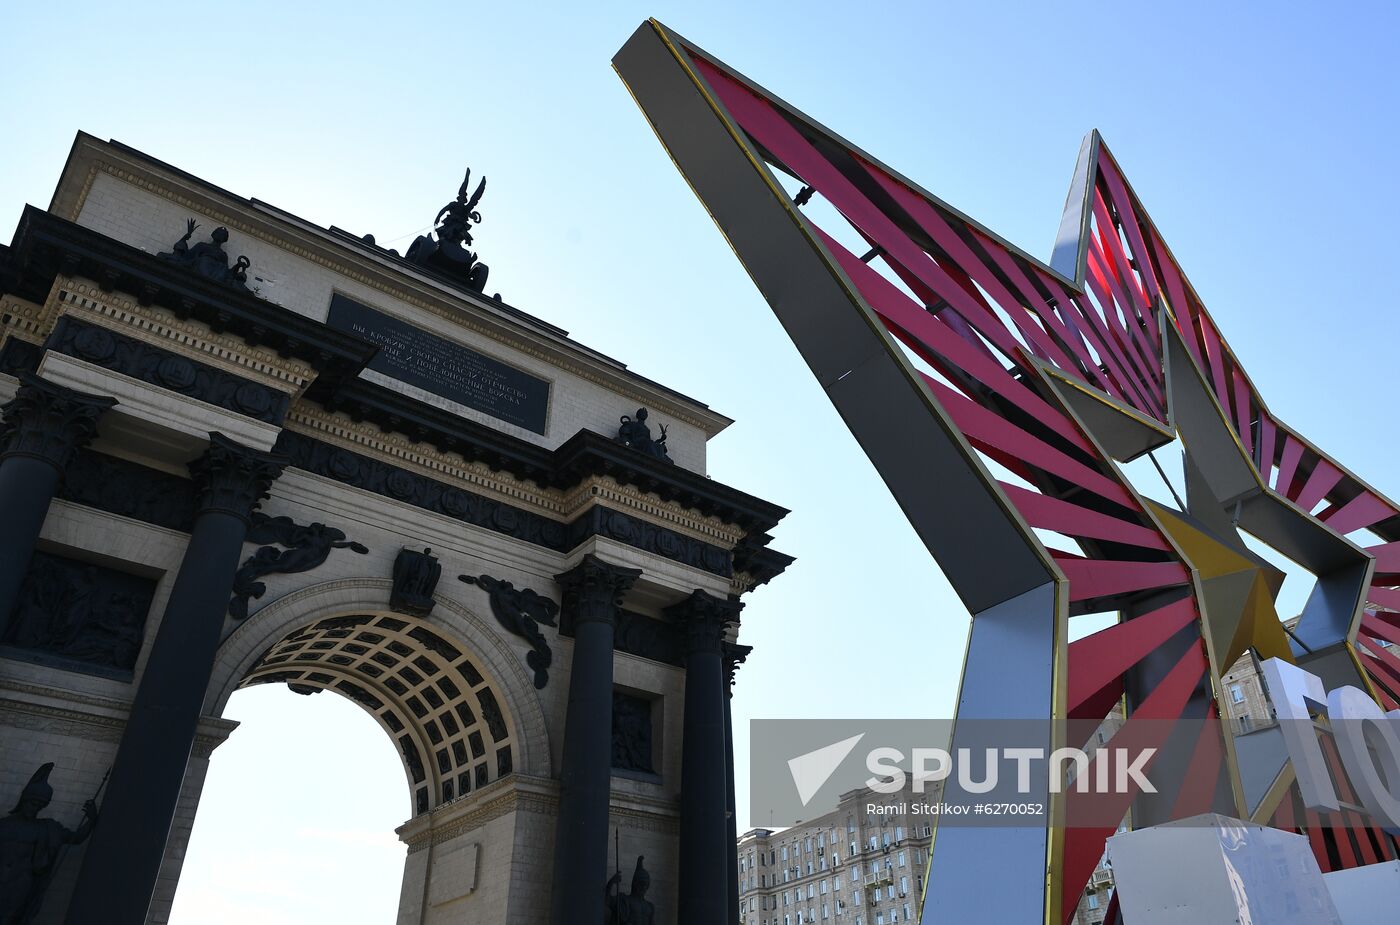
x=242, y=449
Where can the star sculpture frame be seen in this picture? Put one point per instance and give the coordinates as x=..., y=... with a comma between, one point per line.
x=997, y=396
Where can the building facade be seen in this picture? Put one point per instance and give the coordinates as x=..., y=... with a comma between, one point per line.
x=243, y=449
x=850, y=865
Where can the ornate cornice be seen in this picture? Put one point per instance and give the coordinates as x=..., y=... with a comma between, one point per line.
x=21, y=316
x=583, y=456
x=407, y=487
x=448, y=302
x=424, y=459
x=47, y=247
x=155, y=365
x=83, y=299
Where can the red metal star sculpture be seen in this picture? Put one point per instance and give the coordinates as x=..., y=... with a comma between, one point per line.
x=996, y=395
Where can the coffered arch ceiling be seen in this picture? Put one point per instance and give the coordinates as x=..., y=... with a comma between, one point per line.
x=447, y=717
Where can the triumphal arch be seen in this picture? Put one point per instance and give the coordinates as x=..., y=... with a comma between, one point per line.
x=242, y=449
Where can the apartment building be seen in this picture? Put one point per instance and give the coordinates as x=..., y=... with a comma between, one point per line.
x=850, y=866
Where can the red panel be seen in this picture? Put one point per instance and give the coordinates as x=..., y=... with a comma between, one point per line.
x=1097, y=705
x=1387, y=557
x=1072, y=520
x=1288, y=465
x=1198, y=786
x=1381, y=665
x=937, y=228
x=986, y=429
x=1362, y=511
x=1118, y=338
x=1345, y=819
x=1110, y=916
x=1267, y=433
x=1082, y=321
x=1322, y=479
x=1243, y=413
x=1091, y=578
x=1283, y=816
x=1096, y=660
x=1084, y=846
x=1383, y=624
x=1314, y=832
x=1127, y=283
x=1127, y=213
x=1101, y=281
x=775, y=133
x=1029, y=296
x=899, y=310
x=1215, y=358
x=1176, y=295
x=1386, y=597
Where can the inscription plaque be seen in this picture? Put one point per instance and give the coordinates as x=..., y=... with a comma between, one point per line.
x=445, y=368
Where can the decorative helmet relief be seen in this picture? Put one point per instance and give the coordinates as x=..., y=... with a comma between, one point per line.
x=641, y=880
x=38, y=787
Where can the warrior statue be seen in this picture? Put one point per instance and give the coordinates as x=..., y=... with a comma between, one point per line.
x=630, y=908
x=449, y=253
x=30, y=849
x=208, y=258
x=636, y=433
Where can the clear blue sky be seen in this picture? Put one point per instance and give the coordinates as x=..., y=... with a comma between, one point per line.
x=1261, y=137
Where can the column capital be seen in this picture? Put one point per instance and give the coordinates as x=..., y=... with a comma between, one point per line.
x=704, y=618
x=734, y=656
x=232, y=478
x=593, y=590
x=48, y=421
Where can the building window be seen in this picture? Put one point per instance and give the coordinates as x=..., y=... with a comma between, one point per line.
x=1236, y=693
x=1093, y=900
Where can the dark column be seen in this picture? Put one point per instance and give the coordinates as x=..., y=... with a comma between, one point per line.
x=592, y=595
x=123, y=859
x=44, y=427
x=704, y=826
x=734, y=655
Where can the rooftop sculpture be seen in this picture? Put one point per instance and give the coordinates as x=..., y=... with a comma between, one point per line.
x=449, y=253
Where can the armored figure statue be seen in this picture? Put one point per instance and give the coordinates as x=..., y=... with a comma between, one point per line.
x=630, y=908
x=30, y=849
x=449, y=253
x=416, y=576
x=636, y=433
x=208, y=258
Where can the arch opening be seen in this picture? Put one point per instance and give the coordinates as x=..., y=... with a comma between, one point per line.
x=447, y=717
